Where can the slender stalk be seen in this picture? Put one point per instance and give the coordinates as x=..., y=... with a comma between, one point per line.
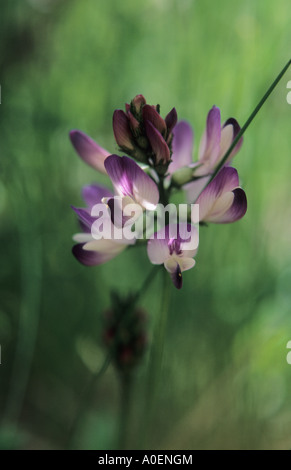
x=162, y=322
x=85, y=399
x=156, y=357
x=248, y=122
x=147, y=282
x=175, y=185
x=126, y=383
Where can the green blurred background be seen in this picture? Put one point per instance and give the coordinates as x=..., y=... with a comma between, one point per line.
x=64, y=64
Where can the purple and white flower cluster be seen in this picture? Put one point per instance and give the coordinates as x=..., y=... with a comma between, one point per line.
x=159, y=162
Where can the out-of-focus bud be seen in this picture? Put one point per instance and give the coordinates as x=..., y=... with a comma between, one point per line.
x=122, y=130
x=125, y=333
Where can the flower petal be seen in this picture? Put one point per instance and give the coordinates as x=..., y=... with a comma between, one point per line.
x=158, y=143
x=210, y=143
x=182, y=146
x=85, y=218
x=158, y=250
x=220, y=206
x=237, y=209
x=82, y=237
x=173, y=267
x=130, y=180
x=186, y=264
x=228, y=133
x=193, y=189
x=151, y=115
x=121, y=129
x=118, y=171
x=188, y=237
x=88, y=150
x=171, y=120
x=219, y=202
x=93, y=194
x=90, y=258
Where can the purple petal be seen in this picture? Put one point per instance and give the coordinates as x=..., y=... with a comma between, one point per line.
x=210, y=145
x=134, y=124
x=171, y=120
x=151, y=115
x=182, y=146
x=88, y=150
x=118, y=170
x=130, y=180
x=236, y=129
x=238, y=208
x=224, y=184
x=226, y=180
x=122, y=130
x=93, y=194
x=177, y=278
x=158, y=143
x=116, y=212
x=85, y=218
x=88, y=258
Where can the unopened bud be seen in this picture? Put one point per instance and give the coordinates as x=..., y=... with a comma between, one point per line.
x=138, y=102
x=121, y=129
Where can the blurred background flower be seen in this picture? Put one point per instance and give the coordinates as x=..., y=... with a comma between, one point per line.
x=67, y=65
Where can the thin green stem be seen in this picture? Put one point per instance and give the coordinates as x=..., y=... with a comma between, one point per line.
x=126, y=383
x=176, y=185
x=248, y=122
x=147, y=282
x=86, y=398
x=156, y=357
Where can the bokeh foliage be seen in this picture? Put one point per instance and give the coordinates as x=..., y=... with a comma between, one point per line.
x=68, y=64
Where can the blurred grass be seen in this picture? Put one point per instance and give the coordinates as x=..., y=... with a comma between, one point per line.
x=68, y=64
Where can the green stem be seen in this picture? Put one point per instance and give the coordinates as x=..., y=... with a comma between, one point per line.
x=86, y=398
x=126, y=382
x=248, y=122
x=147, y=282
x=156, y=357
x=175, y=185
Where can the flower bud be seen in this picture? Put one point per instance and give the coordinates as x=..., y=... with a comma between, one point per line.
x=143, y=134
x=125, y=333
x=151, y=115
x=158, y=144
x=182, y=176
x=137, y=103
x=122, y=130
x=171, y=120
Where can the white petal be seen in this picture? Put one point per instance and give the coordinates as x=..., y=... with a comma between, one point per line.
x=226, y=139
x=186, y=263
x=171, y=264
x=221, y=205
x=82, y=237
x=158, y=251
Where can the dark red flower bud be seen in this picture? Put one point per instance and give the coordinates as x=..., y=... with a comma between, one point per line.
x=134, y=124
x=171, y=120
x=137, y=103
x=122, y=130
x=125, y=333
x=158, y=144
x=151, y=115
